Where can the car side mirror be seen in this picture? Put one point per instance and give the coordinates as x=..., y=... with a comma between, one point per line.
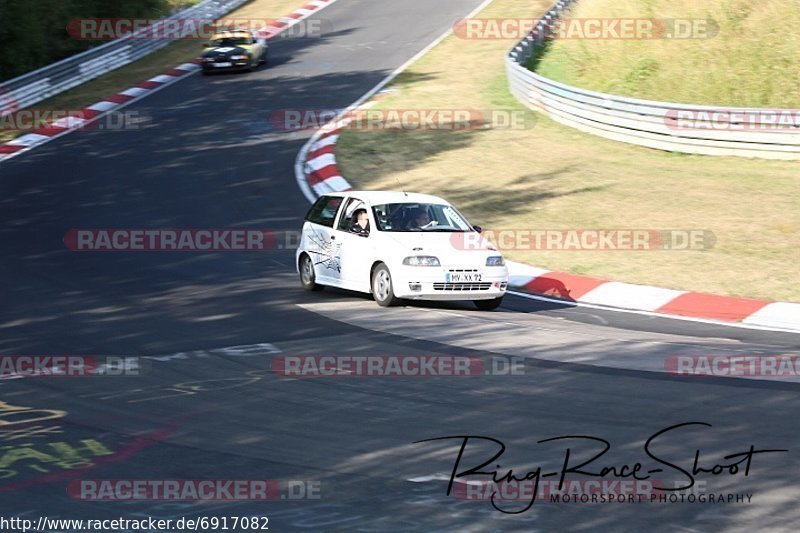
x=478, y=229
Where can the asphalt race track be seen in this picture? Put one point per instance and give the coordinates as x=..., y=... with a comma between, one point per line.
x=207, y=157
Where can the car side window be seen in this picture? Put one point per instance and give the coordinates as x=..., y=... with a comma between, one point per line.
x=324, y=210
x=346, y=221
x=383, y=216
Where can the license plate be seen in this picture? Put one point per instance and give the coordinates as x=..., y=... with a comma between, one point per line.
x=228, y=64
x=462, y=277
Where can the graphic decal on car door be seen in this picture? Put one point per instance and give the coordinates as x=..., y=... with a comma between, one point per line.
x=328, y=251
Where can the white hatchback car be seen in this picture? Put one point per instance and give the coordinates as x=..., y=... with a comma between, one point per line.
x=398, y=245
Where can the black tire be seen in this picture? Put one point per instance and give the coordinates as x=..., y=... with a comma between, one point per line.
x=308, y=278
x=488, y=305
x=382, y=286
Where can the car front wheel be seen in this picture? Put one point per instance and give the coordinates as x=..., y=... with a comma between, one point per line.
x=488, y=305
x=382, y=288
x=308, y=278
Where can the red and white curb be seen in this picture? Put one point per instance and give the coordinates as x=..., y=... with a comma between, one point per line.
x=591, y=292
x=90, y=114
x=95, y=111
x=320, y=174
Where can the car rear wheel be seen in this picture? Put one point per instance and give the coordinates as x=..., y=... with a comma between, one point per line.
x=308, y=278
x=488, y=305
x=382, y=288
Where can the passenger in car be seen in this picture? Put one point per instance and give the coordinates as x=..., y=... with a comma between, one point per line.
x=361, y=224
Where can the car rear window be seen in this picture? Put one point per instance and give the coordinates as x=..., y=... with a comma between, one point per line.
x=323, y=212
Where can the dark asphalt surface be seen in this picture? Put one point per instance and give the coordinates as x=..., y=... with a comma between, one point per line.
x=209, y=158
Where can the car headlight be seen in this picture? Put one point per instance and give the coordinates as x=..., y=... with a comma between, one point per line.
x=422, y=260
x=495, y=261
x=238, y=58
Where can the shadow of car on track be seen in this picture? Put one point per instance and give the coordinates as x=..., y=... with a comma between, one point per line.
x=520, y=305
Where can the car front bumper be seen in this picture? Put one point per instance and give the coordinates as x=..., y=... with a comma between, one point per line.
x=225, y=65
x=431, y=283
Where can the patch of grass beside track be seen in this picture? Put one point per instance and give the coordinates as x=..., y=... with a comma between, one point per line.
x=753, y=60
x=550, y=176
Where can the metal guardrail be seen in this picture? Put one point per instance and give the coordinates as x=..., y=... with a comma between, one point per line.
x=695, y=129
x=56, y=78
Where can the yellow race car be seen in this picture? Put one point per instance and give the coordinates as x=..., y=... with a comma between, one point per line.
x=234, y=50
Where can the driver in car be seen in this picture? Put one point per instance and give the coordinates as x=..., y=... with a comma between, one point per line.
x=421, y=220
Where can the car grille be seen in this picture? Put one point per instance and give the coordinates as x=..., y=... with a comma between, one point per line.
x=475, y=286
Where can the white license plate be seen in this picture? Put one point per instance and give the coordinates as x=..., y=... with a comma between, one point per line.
x=462, y=277
x=228, y=64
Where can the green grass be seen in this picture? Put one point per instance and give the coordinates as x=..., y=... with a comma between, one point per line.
x=753, y=60
x=551, y=176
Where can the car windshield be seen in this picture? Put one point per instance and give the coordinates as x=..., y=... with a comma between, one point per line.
x=230, y=41
x=416, y=216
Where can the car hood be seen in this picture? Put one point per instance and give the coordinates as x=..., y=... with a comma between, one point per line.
x=225, y=50
x=448, y=247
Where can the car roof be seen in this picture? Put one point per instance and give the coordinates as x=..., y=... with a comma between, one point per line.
x=231, y=33
x=387, y=197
